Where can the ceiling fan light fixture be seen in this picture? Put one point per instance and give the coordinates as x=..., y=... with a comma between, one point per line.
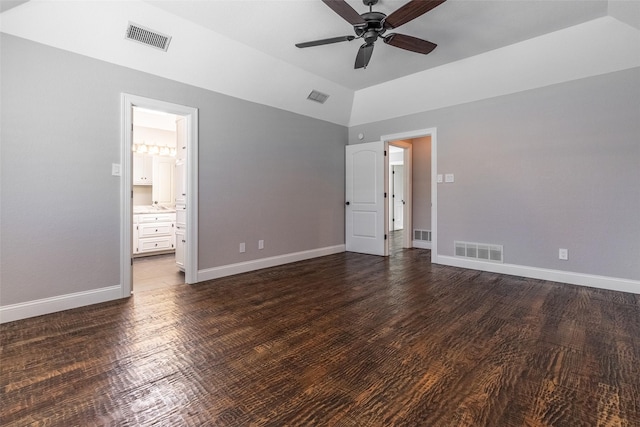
x=318, y=96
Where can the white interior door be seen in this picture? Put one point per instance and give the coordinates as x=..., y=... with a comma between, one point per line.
x=364, y=191
x=398, y=197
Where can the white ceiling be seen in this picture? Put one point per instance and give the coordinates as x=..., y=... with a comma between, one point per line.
x=245, y=48
x=460, y=28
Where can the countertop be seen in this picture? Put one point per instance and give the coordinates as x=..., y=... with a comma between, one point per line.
x=151, y=209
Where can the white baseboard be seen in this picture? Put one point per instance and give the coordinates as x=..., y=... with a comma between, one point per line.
x=244, y=267
x=602, y=282
x=421, y=244
x=9, y=313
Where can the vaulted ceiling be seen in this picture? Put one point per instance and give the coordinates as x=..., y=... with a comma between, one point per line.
x=460, y=29
x=217, y=44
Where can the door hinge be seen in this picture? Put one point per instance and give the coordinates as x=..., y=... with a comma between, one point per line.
x=385, y=195
x=132, y=194
x=385, y=153
x=385, y=237
x=131, y=261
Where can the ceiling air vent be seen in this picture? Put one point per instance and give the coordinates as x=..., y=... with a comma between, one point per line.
x=318, y=96
x=143, y=35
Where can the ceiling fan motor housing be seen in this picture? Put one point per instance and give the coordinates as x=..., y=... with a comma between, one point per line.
x=373, y=28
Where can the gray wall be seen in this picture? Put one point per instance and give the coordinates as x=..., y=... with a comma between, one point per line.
x=556, y=167
x=263, y=173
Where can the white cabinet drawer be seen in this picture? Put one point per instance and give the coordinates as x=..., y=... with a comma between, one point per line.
x=153, y=244
x=157, y=229
x=167, y=217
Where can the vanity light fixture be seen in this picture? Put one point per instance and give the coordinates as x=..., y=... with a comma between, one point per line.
x=143, y=147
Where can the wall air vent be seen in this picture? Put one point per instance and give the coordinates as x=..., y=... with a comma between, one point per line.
x=424, y=235
x=479, y=251
x=143, y=35
x=317, y=96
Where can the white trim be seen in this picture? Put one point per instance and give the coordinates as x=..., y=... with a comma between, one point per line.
x=434, y=171
x=128, y=101
x=24, y=310
x=602, y=282
x=420, y=244
x=244, y=267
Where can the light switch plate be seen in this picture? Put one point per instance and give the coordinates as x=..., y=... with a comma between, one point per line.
x=242, y=248
x=115, y=169
x=439, y=178
x=448, y=177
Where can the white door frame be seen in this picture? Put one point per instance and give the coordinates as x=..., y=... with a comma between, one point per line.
x=129, y=101
x=396, y=139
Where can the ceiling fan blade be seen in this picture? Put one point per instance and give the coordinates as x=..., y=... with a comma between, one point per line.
x=325, y=41
x=364, y=55
x=343, y=9
x=410, y=11
x=413, y=44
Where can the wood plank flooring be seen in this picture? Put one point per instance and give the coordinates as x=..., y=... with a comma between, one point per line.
x=342, y=340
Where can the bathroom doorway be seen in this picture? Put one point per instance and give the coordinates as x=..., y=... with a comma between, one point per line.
x=158, y=223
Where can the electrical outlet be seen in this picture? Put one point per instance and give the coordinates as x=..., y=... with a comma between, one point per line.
x=449, y=177
x=260, y=244
x=242, y=247
x=563, y=254
x=115, y=169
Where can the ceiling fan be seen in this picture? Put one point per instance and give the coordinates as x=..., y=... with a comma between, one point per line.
x=371, y=25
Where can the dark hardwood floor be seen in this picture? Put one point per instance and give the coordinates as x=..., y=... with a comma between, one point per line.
x=345, y=340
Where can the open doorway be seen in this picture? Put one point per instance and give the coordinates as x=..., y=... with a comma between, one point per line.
x=411, y=206
x=398, y=198
x=159, y=188
x=158, y=147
